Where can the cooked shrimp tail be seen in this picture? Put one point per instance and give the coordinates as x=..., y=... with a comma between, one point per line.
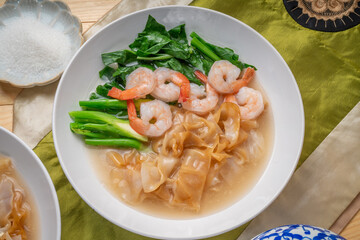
x=135, y=122
x=199, y=75
x=114, y=93
x=244, y=81
x=184, y=84
x=230, y=98
x=123, y=95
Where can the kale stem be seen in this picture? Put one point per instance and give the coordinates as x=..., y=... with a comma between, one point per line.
x=117, y=142
x=94, y=130
x=204, y=49
x=103, y=104
x=158, y=57
x=121, y=127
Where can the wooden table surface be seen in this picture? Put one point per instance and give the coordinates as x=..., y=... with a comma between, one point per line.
x=89, y=12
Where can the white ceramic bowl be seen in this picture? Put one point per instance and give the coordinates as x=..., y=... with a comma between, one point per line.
x=38, y=181
x=55, y=14
x=81, y=77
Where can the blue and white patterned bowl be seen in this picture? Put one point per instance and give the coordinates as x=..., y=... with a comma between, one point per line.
x=298, y=232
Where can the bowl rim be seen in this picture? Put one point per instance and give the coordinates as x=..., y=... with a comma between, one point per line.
x=58, y=75
x=159, y=235
x=36, y=160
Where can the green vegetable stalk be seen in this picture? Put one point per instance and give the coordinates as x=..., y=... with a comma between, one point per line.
x=217, y=53
x=78, y=129
x=155, y=57
x=118, y=126
x=115, y=142
x=95, y=130
x=204, y=49
x=103, y=104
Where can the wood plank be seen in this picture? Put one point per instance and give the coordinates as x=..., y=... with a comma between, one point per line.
x=352, y=230
x=90, y=10
x=86, y=25
x=8, y=93
x=6, y=116
x=346, y=216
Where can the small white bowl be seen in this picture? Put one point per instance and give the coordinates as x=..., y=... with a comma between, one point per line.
x=38, y=182
x=81, y=76
x=55, y=14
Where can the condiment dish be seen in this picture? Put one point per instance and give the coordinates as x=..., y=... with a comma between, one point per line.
x=38, y=39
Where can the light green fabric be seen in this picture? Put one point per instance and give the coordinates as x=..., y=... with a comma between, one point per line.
x=326, y=67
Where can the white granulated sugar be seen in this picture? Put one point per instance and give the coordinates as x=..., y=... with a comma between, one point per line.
x=32, y=50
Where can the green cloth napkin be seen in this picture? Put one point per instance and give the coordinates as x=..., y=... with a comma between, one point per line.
x=325, y=65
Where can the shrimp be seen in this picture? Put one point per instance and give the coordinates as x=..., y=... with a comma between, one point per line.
x=202, y=100
x=154, y=110
x=250, y=102
x=177, y=89
x=138, y=84
x=223, y=76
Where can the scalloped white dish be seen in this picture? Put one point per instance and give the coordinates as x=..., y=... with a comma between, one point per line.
x=38, y=183
x=81, y=76
x=38, y=39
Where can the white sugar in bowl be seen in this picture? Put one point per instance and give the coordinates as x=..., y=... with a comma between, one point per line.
x=38, y=39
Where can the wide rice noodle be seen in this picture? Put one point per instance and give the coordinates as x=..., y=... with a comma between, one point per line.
x=196, y=154
x=14, y=209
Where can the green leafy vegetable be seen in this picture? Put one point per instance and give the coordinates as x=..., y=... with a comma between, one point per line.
x=151, y=40
x=178, y=50
x=94, y=95
x=123, y=71
x=149, y=44
x=103, y=90
x=121, y=57
x=154, y=39
x=201, y=62
x=182, y=67
x=178, y=47
x=178, y=34
x=212, y=51
x=107, y=73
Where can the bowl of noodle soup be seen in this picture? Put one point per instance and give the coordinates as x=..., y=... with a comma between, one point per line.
x=29, y=204
x=252, y=176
